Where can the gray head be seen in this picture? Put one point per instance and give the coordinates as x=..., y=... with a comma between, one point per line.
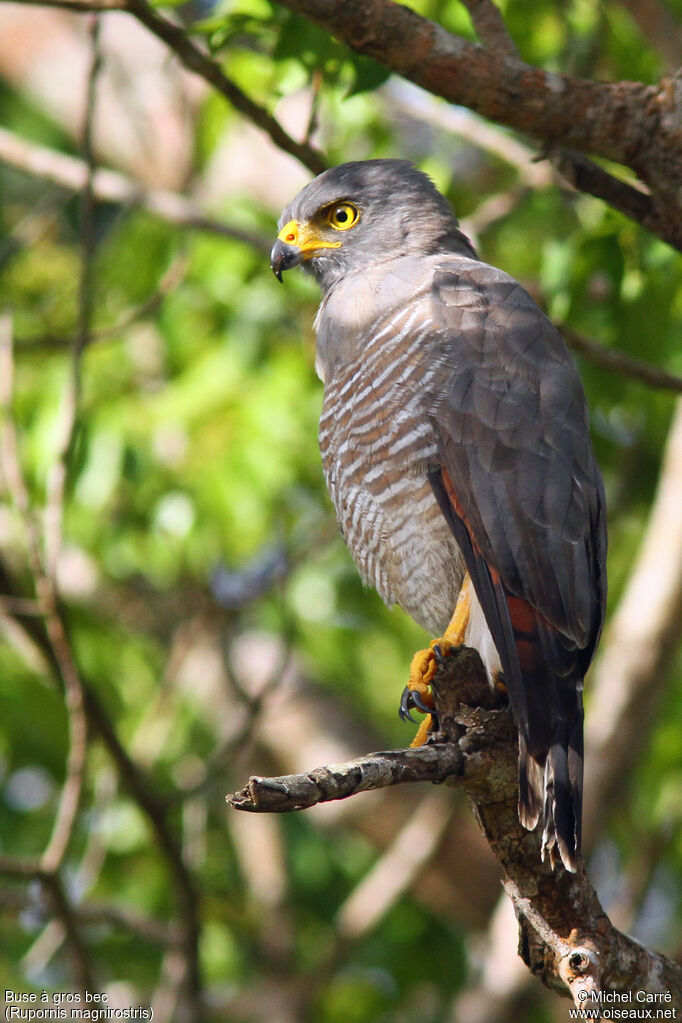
x=355, y=215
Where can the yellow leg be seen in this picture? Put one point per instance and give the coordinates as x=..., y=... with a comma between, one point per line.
x=424, y=664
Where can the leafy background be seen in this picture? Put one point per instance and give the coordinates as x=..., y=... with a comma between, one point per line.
x=209, y=600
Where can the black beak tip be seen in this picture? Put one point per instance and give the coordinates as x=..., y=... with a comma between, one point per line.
x=278, y=260
x=283, y=257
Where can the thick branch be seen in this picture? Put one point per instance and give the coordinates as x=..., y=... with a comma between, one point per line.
x=565, y=935
x=631, y=123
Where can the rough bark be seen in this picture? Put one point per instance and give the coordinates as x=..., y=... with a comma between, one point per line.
x=633, y=124
x=565, y=936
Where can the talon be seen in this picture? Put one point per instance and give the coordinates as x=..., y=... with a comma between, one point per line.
x=425, y=663
x=420, y=703
x=439, y=655
x=405, y=703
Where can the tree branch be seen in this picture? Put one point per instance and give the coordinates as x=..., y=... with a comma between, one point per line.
x=136, y=783
x=587, y=176
x=620, y=362
x=630, y=123
x=111, y=186
x=201, y=64
x=490, y=27
x=338, y=781
x=565, y=935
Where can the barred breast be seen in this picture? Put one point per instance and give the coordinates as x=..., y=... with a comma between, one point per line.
x=376, y=443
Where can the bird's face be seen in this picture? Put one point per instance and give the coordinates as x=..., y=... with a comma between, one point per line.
x=358, y=214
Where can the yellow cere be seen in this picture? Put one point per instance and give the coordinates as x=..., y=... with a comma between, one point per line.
x=305, y=237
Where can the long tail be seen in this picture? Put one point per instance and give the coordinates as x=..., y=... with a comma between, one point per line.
x=543, y=672
x=551, y=790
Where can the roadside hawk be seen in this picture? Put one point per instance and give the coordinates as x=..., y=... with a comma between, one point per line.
x=456, y=449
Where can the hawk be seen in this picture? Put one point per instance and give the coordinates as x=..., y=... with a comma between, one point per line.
x=455, y=442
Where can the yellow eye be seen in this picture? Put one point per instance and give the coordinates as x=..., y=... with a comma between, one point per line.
x=342, y=216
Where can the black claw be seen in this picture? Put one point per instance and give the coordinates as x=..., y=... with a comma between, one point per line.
x=419, y=703
x=405, y=704
x=439, y=655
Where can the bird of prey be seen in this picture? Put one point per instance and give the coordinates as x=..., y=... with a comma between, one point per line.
x=456, y=449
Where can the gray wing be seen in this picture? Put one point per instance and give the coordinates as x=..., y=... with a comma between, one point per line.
x=517, y=482
x=514, y=429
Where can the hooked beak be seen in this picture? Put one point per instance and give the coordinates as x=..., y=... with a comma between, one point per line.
x=295, y=243
x=283, y=257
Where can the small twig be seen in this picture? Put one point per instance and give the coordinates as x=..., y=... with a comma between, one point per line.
x=56, y=480
x=169, y=281
x=194, y=58
x=317, y=80
x=660, y=25
x=135, y=781
x=490, y=27
x=80, y=6
x=46, y=583
x=111, y=186
x=20, y=606
x=587, y=176
x=63, y=911
x=620, y=362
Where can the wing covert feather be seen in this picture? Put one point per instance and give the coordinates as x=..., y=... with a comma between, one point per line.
x=514, y=431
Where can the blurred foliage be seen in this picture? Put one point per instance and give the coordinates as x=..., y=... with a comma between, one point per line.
x=196, y=448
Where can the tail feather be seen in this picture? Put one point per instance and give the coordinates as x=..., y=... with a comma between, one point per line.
x=531, y=787
x=553, y=792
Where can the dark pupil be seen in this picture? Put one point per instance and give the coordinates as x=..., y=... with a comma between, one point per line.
x=342, y=215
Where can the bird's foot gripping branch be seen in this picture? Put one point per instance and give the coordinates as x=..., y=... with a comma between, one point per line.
x=564, y=935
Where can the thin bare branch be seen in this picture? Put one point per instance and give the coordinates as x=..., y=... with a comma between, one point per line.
x=111, y=186
x=63, y=912
x=54, y=510
x=660, y=26
x=80, y=6
x=619, y=362
x=19, y=606
x=136, y=783
x=587, y=176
